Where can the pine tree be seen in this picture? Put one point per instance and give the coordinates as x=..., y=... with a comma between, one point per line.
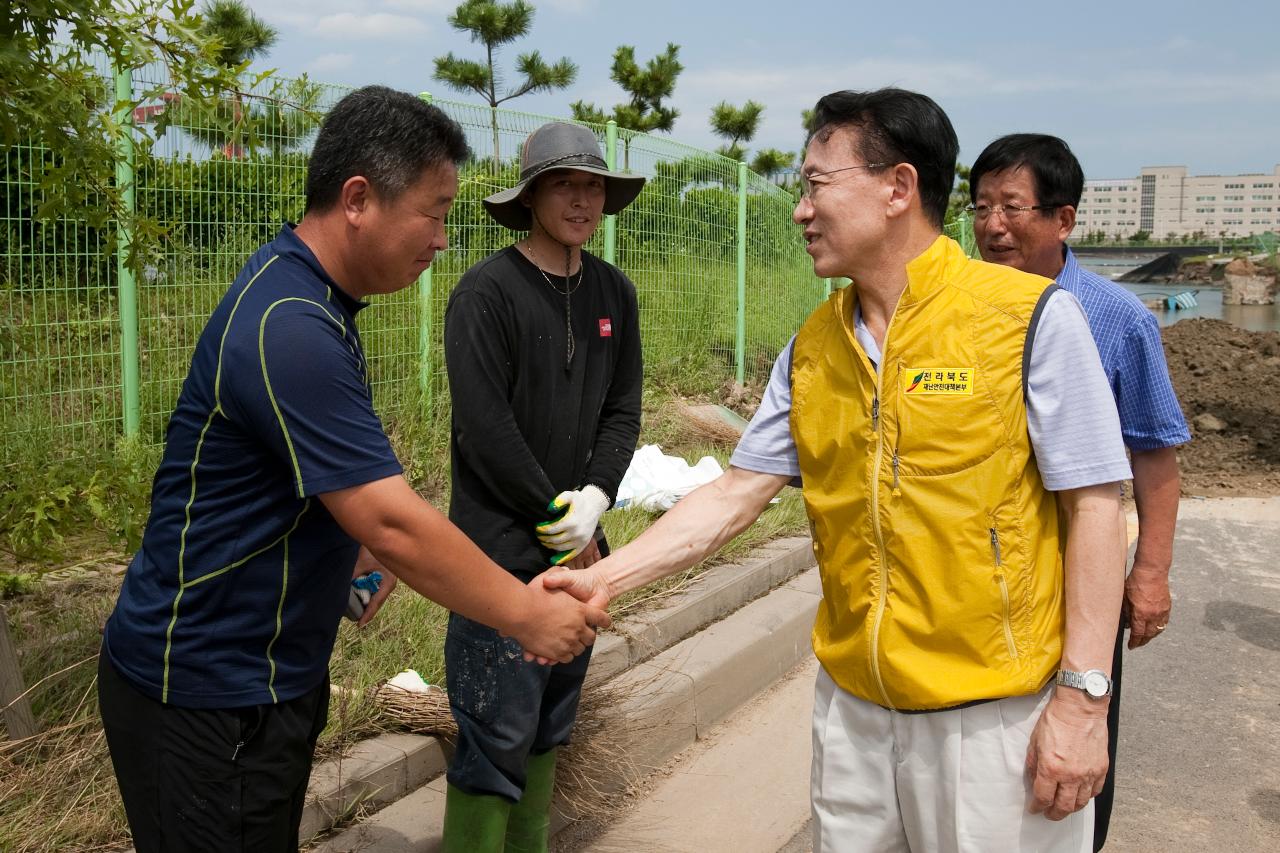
x=496, y=24
x=736, y=124
x=647, y=87
x=770, y=161
x=241, y=35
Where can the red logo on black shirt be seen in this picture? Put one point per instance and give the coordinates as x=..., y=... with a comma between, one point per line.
x=606, y=327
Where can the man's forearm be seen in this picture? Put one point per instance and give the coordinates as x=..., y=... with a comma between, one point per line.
x=698, y=526
x=418, y=544
x=1156, y=487
x=1094, y=573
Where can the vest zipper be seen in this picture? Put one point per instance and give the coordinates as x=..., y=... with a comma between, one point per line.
x=897, y=436
x=875, y=522
x=1004, y=594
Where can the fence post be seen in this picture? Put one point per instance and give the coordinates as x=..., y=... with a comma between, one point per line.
x=610, y=222
x=964, y=236
x=424, y=323
x=17, y=711
x=127, y=291
x=741, y=348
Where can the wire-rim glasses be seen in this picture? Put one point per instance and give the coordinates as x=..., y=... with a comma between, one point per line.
x=806, y=181
x=1010, y=212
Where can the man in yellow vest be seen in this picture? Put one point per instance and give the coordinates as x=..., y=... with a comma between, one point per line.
x=958, y=448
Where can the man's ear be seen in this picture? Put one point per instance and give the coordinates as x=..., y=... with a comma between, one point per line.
x=1066, y=216
x=905, y=188
x=356, y=198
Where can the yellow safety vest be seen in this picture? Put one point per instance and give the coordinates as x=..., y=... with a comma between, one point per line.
x=936, y=540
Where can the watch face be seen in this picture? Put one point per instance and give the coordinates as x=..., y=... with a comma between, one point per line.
x=1095, y=683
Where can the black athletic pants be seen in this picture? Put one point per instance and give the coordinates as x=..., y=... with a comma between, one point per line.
x=210, y=780
x=1103, y=802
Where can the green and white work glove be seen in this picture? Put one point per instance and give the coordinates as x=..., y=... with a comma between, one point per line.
x=572, y=530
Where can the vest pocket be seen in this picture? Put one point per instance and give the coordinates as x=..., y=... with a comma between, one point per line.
x=1004, y=594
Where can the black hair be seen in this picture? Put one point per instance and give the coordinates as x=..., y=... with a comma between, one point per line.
x=896, y=126
x=1055, y=171
x=391, y=138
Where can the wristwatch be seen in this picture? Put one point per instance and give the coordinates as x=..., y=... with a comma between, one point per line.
x=1093, y=682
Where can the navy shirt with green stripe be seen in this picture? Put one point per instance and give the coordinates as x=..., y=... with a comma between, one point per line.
x=236, y=594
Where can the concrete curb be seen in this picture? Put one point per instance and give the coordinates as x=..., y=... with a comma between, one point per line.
x=706, y=676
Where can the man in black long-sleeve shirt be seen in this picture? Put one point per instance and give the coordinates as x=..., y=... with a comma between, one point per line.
x=542, y=343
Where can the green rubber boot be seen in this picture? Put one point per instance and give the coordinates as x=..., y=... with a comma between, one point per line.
x=474, y=823
x=530, y=820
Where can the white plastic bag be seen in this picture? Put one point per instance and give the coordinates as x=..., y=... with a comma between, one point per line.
x=655, y=482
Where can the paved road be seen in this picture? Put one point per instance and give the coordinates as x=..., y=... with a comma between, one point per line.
x=1199, y=766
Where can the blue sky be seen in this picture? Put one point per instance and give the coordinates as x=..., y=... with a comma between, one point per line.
x=1127, y=84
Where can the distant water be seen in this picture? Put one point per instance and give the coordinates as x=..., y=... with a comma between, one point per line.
x=1255, y=318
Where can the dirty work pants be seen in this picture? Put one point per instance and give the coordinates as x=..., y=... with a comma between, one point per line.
x=943, y=782
x=505, y=707
x=210, y=780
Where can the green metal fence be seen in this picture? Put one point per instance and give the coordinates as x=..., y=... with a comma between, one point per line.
x=88, y=354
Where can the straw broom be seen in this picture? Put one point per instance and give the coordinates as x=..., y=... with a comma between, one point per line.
x=592, y=772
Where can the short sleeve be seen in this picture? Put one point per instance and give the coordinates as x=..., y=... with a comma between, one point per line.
x=1071, y=413
x=766, y=446
x=301, y=387
x=1150, y=416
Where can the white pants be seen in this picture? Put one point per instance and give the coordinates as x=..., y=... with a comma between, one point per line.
x=944, y=782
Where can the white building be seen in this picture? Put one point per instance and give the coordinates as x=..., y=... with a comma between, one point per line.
x=1167, y=202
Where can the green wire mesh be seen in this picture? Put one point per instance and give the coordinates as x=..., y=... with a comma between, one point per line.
x=221, y=182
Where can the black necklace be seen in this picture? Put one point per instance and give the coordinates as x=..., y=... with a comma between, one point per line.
x=567, y=292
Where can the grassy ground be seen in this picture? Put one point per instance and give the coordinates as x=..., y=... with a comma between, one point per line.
x=57, y=791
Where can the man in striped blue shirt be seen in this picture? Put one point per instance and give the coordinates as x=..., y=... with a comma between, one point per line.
x=1025, y=189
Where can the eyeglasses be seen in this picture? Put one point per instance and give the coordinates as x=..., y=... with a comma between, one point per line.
x=983, y=212
x=807, y=186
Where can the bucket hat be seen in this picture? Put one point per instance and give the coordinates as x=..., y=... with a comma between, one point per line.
x=559, y=145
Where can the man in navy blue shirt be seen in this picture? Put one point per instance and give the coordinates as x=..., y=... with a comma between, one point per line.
x=1025, y=189
x=213, y=680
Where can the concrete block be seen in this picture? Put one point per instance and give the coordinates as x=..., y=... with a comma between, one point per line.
x=657, y=719
x=411, y=824
x=738, y=658
x=713, y=595
x=374, y=772
x=611, y=656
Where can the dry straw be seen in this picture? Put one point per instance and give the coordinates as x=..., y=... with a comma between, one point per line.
x=593, y=771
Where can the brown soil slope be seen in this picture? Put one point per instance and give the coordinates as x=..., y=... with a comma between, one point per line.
x=1228, y=381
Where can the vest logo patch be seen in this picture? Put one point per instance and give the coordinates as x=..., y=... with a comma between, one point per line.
x=606, y=327
x=954, y=381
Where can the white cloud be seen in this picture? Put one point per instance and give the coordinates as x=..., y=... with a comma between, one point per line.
x=808, y=83
x=329, y=62
x=380, y=25
x=444, y=7
x=570, y=5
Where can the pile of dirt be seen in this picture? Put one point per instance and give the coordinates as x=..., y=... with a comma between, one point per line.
x=1228, y=381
